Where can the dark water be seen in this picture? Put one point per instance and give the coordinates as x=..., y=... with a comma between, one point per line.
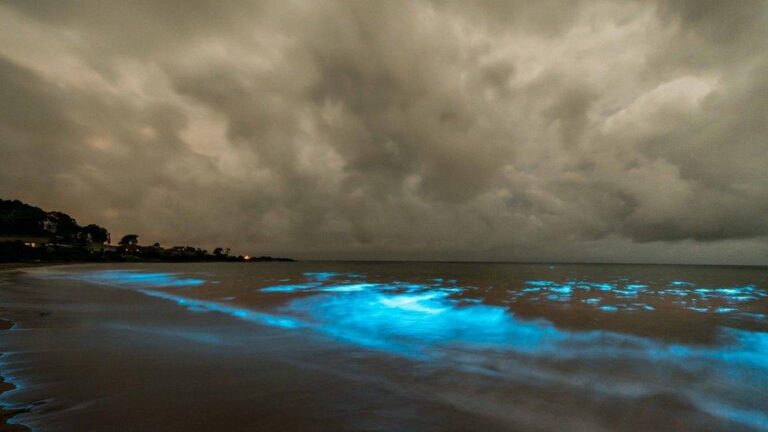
x=389, y=346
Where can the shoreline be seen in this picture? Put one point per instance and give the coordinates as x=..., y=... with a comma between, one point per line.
x=12, y=266
x=7, y=414
x=209, y=371
x=158, y=334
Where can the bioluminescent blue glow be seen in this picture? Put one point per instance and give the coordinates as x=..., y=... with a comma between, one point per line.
x=430, y=322
x=321, y=276
x=292, y=288
x=132, y=278
x=349, y=287
x=413, y=302
x=631, y=296
x=319, y=287
x=196, y=305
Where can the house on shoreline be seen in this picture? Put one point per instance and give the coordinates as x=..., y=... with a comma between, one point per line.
x=29, y=241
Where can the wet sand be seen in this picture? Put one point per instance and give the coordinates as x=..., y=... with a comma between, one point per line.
x=7, y=413
x=163, y=348
x=86, y=358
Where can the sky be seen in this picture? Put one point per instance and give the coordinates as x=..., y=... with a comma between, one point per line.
x=581, y=131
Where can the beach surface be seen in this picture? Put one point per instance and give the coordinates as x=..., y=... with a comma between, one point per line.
x=342, y=346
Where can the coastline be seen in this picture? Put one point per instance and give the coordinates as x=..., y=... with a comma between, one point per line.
x=160, y=337
x=7, y=414
x=185, y=346
x=8, y=267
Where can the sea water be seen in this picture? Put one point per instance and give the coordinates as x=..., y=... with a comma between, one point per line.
x=411, y=346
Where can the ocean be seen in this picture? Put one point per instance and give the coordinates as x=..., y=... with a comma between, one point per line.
x=385, y=346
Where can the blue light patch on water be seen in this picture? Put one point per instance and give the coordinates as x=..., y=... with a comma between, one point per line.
x=196, y=305
x=427, y=323
x=563, y=289
x=613, y=295
x=540, y=283
x=414, y=303
x=318, y=287
x=674, y=292
x=320, y=276
x=404, y=287
x=754, y=418
x=291, y=288
x=451, y=289
x=602, y=286
x=125, y=277
x=349, y=287
x=414, y=325
x=643, y=297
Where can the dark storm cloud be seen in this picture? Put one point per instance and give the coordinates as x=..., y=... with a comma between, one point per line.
x=435, y=130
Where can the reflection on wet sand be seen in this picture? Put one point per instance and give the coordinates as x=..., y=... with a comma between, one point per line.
x=614, y=338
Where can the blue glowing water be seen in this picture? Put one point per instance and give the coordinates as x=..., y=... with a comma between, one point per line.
x=608, y=336
x=628, y=296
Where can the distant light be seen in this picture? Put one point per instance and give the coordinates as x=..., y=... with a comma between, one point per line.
x=247, y=257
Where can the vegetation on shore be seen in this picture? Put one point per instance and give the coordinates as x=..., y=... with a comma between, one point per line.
x=30, y=234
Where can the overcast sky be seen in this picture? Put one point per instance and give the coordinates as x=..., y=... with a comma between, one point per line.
x=632, y=131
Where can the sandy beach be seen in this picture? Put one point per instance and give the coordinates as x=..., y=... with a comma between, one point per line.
x=383, y=216
x=7, y=413
x=88, y=358
x=310, y=346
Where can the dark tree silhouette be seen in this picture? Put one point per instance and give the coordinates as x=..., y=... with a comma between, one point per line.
x=17, y=218
x=95, y=234
x=29, y=233
x=129, y=239
x=62, y=226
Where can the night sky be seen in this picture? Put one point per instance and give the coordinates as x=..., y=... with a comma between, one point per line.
x=630, y=131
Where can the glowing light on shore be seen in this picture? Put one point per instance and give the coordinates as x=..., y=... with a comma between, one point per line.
x=432, y=324
x=130, y=278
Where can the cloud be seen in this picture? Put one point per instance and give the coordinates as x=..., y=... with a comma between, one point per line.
x=419, y=130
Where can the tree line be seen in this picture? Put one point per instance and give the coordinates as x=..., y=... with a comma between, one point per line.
x=29, y=233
